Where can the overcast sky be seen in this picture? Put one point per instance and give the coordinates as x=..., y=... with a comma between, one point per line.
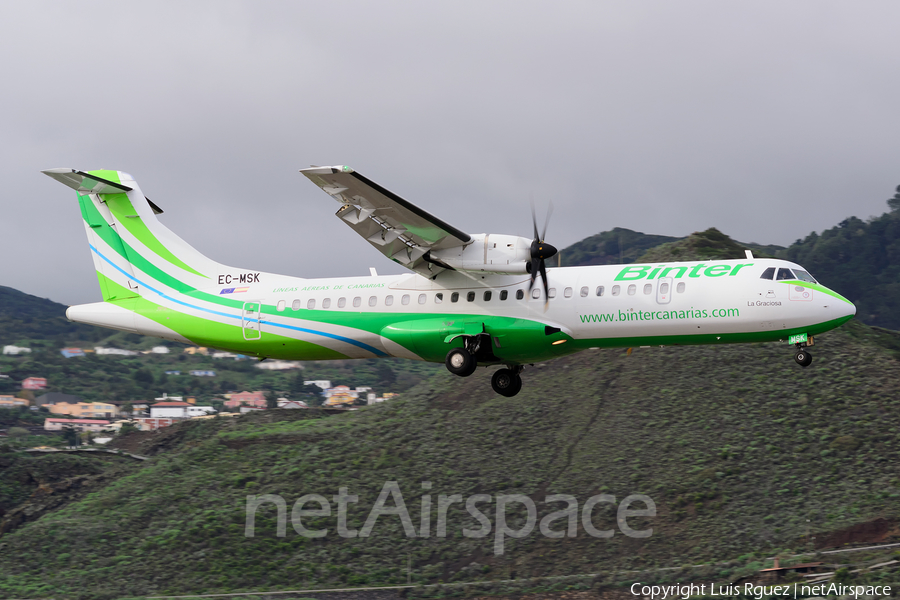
x=767, y=120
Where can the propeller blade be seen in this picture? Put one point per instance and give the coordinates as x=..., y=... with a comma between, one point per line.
x=547, y=221
x=534, y=220
x=546, y=286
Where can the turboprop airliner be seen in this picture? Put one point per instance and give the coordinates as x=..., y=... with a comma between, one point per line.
x=469, y=300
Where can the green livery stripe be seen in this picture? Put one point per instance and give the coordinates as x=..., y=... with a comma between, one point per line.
x=213, y=334
x=106, y=174
x=718, y=338
x=122, y=209
x=819, y=288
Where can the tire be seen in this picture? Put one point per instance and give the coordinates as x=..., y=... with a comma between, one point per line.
x=803, y=358
x=506, y=383
x=460, y=362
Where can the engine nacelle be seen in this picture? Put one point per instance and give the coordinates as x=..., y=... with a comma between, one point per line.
x=488, y=252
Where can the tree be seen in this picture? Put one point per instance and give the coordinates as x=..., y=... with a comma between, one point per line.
x=70, y=435
x=894, y=203
x=127, y=428
x=17, y=433
x=143, y=376
x=128, y=408
x=271, y=399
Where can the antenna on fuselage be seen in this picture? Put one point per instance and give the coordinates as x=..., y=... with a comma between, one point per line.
x=748, y=254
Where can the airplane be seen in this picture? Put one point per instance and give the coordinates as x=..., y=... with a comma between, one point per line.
x=469, y=300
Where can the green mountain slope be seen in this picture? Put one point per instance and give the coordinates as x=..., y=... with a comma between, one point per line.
x=611, y=247
x=24, y=317
x=740, y=449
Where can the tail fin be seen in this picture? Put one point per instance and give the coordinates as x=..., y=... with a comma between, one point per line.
x=130, y=247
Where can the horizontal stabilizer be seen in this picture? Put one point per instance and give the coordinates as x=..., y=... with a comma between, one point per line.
x=85, y=183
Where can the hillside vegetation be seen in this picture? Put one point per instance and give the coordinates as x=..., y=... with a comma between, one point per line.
x=740, y=449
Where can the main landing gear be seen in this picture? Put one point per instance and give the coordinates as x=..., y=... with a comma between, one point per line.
x=505, y=381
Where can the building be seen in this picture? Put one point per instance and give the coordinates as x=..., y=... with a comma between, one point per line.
x=279, y=365
x=113, y=351
x=12, y=402
x=285, y=403
x=202, y=373
x=224, y=355
x=13, y=350
x=167, y=398
x=173, y=372
x=322, y=384
x=195, y=350
x=200, y=411
x=71, y=352
x=340, y=395
x=257, y=399
x=57, y=398
x=246, y=409
x=85, y=410
x=78, y=424
x=159, y=350
x=153, y=424
x=169, y=410
x=34, y=383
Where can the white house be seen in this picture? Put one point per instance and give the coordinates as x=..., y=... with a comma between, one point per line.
x=322, y=384
x=279, y=365
x=159, y=350
x=199, y=411
x=114, y=351
x=285, y=403
x=170, y=410
x=15, y=350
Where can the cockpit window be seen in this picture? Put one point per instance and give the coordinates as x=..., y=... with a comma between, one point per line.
x=768, y=273
x=804, y=276
x=784, y=274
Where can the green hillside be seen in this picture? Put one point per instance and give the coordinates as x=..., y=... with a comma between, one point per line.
x=24, y=317
x=740, y=449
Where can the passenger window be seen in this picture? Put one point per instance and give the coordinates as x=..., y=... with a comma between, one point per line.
x=584, y=292
x=357, y=302
x=422, y=298
x=520, y=294
x=326, y=303
x=648, y=288
x=551, y=293
x=389, y=301
x=664, y=288
x=295, y=305
x=404, y=300
x=504, y=294
x=311, y=303
x=470, y=297
x=600, y=290
x=632, y=289
x=280, y=306
x=342, y=302
x=373, y=300
x=804, y=276
x=487, y=296
x=454, y=297
x=567, y=292
x=784, y=274
x=615, y=290
x=680, y=287
x=536, y=293
x=438, y=298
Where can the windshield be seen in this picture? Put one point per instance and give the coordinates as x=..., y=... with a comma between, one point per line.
x=804, y=276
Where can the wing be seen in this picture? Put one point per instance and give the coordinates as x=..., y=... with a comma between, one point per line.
x=398, y=229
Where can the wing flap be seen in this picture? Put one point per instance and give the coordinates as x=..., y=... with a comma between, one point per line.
x=397, y=228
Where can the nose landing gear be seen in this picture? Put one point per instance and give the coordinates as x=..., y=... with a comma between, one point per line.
x=803, y=357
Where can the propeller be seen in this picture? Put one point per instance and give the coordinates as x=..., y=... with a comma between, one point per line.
x=540, y=251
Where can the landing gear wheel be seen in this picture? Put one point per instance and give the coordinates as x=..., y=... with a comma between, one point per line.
x=506, y=382
x=460, y=362
x=803, y=358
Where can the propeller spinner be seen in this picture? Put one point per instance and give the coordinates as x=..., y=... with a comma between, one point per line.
x=541, y=251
